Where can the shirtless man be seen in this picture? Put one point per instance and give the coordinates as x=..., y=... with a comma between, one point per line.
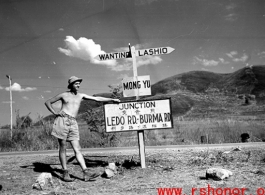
x=65, y=126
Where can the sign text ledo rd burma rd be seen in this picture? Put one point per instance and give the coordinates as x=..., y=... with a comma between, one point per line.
x=143, y=52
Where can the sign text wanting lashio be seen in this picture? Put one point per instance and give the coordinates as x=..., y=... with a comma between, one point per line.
x=139, y=115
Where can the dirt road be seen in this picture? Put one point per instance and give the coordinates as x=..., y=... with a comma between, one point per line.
x=182, y=168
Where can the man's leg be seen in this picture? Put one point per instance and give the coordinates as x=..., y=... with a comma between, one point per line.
x=88, y=175
x=62, y=153
x=62, y=157
x=77, y=149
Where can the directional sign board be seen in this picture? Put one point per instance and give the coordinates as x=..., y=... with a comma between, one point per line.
x=139, y=53
x=154, y=51
x=138, y=115
x=113, y=56
x=136, y=86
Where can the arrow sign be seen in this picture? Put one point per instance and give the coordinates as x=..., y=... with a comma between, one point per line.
x=154, y=51
x=113, y=56
x=127, y=54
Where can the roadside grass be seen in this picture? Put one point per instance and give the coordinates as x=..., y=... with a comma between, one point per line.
x=216, y=131
x=184, y=132
x=29, y=139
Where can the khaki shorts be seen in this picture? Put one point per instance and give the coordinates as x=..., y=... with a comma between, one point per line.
x=65, y=128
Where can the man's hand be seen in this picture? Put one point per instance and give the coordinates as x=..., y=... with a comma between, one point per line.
x=117, y=100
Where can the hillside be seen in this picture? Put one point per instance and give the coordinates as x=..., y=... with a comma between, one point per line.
x=212, y=95
x=195, y=81
x=243, y=81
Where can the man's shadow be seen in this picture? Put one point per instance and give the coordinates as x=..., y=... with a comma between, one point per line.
x=40, y=167
x=89, y=162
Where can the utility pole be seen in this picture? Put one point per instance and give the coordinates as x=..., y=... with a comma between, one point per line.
x=11, y=116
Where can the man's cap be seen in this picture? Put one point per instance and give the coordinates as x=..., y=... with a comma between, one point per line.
x=72, y=80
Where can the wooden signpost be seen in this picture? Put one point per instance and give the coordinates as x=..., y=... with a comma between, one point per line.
x=139, y=115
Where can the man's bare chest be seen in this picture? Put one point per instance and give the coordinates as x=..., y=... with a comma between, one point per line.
x=72, y=100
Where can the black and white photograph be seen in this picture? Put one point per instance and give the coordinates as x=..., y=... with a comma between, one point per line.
x=149, y=97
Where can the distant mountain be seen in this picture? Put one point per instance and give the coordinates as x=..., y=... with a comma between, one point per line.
x=195, y=81
x=248, y=80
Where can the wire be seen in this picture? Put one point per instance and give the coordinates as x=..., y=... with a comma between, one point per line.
x=47, y=33
x=58, y=87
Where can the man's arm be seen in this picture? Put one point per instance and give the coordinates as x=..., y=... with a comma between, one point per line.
x=100, y=99
x=49, y=103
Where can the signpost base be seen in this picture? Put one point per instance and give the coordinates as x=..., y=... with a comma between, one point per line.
x=141, y=145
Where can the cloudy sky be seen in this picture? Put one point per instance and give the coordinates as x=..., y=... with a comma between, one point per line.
x=44, y=42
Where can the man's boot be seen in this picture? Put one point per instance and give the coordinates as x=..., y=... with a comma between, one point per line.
x=66, y=176
x=89, y=175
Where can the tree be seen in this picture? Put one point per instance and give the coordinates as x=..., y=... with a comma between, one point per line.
x=115, y=90
x=24, y=121
x=96, y=123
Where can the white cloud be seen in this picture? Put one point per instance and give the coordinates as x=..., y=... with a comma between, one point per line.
x=17, y=87
x=230, y=6
x=222, y=60
x=87, y=49
x=25, y=98
x=232, y=54
x=231, y=17
x=243, y=58
x=205, y=62
x=48, y=91
x=145, y=60
x=1, y=87
x=261, y=54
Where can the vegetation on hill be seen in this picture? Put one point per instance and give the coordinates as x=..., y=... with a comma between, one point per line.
x=196, y=81
x=248, y=80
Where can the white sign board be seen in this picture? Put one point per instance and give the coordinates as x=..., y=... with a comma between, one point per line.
x=136, y=86
x=138, y=115
x=139, y=53
x=154, y=51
